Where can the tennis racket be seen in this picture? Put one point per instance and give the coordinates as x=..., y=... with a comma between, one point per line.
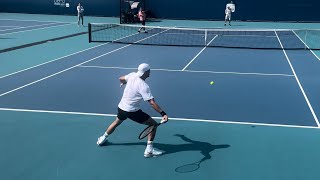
x=149, y=130
x=188, y=167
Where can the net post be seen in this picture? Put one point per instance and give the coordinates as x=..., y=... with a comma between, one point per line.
x=89, y=32
x=205, y=37
x=305, y=39
x=120, y=12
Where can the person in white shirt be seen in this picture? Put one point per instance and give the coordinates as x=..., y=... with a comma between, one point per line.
x=80, y=10
x=230, y=7
x=136, y=91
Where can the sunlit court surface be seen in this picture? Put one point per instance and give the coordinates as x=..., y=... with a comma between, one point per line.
x=243, y=101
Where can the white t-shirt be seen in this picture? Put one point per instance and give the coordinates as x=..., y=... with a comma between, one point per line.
x=229, y=8
x=135, y=91
x=80, y=9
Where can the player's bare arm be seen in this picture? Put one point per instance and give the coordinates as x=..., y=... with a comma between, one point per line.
x=158, y=109
x=122, y=80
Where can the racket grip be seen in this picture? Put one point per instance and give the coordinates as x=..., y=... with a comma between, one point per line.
x=121, y=84
x=163, y=121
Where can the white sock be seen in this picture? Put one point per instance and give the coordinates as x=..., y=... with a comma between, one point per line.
x=106, y=134
x=150, y=145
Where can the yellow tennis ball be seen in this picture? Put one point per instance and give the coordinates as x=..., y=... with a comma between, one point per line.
x=211, y=82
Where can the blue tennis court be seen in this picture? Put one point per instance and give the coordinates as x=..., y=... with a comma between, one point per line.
x=259, y=120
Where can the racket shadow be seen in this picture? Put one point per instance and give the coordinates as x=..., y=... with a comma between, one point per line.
x=205, y=149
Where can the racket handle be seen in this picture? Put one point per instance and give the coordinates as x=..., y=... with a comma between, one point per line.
x=121, y=84
x=163, y=121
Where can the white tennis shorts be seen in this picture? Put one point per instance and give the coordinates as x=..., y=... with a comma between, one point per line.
x=228, y=16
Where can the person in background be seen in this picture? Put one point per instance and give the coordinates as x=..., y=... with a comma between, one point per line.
x=230, y=7
x=80, y=10
x=142, y=16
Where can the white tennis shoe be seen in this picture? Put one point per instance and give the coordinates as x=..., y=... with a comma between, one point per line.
x=152, y=152
x=101, y=140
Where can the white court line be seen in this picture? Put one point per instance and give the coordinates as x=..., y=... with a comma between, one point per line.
x=221, y=35
x=9, y=26
x=240, y=73
x=250, y=36
x=189, y=34
x=36, y=21
x=173, y=118
x=39, y=80
x=51, y=61
x=297, y=79
x=307, y=46
x=10, y=29
x=199, y=53
x=192, y=71
x=23, y=27
x=59, y=58
x=36, y=29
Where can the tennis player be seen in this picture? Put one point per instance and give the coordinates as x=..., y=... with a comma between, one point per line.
x=80, y=14
x=230, y=7
x=135, y=91
x=142, y=17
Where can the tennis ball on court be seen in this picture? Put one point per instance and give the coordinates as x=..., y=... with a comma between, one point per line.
x=211, y=82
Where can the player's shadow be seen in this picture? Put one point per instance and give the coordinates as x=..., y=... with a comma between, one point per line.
x=205, y=148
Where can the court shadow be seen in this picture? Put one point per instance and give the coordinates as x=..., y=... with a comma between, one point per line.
x=204, y=148
x=153, y=20
x=237, y=24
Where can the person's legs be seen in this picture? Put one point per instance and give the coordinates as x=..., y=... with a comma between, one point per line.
x=151, y=122
x=78, y=20
x=102, y=139
x=143, y=25
x=113, y=126
x=143, y=118
x=150, y=151
x=122, y=115
x=225, y=19
x=139, y=117
x=82, y=19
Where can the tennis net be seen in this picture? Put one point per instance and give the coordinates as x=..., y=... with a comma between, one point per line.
x=229, y=38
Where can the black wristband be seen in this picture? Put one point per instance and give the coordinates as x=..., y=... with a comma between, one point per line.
x=163, y=113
